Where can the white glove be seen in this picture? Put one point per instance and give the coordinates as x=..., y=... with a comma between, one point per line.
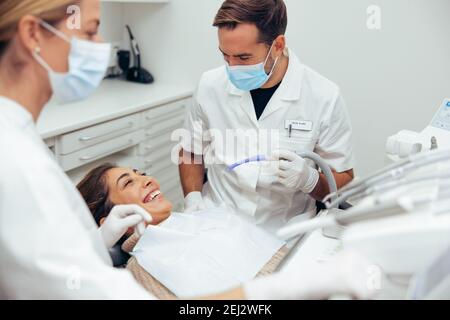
x=120, y=220
x=294, y=173
x=347, y=274
x=194, y=202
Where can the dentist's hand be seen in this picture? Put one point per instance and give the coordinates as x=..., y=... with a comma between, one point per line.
x=120, y=220
x=294, y=173
x=347, y=274
x=194, y=202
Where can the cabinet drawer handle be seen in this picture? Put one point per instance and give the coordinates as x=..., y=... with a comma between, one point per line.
x=107, y=153
x=87, y=139
x=165, y=116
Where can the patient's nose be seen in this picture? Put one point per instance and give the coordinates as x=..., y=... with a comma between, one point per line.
x=150, y=182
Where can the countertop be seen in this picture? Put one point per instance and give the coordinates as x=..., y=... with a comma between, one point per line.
x=114, y=99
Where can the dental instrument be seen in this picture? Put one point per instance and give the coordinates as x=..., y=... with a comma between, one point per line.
x=258, y=158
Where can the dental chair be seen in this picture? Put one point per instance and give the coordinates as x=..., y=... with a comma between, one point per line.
x=321, y=206
x=118, y=256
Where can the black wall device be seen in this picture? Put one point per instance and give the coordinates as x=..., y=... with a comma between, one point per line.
x=136, y=73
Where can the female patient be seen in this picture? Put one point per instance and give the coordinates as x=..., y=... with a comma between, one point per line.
x=108, y=185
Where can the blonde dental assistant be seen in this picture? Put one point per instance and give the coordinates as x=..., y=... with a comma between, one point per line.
x=50, y=247
x=263, y=87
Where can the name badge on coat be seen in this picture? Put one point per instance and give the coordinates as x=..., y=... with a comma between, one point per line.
x=299, y=125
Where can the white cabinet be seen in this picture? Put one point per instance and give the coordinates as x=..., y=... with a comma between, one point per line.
x=92, y=136
x=96, y=152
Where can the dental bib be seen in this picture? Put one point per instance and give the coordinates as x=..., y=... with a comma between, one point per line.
x=204, y=253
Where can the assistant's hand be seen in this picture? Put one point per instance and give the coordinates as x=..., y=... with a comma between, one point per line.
x=347, y=274
x=121, y=219
x=194, y=202
x=294, y=173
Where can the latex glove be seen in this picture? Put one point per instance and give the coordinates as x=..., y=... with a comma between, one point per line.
x=295, y=173
x=347, y=274
x=194, y=202
x=120, y=220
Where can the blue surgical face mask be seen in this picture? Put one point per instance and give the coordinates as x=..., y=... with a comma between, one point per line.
x=250, y=77
x=88, y=62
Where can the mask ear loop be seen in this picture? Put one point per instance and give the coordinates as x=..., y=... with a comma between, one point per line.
x=37, y=50
x=37, y=56
x=55, y=31
x=268, y=55
x=267, y=59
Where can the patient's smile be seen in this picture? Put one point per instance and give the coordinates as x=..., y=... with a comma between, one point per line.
x=152, y=196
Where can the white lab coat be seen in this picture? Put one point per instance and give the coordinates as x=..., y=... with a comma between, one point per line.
x=252, y=190
x=50, y=246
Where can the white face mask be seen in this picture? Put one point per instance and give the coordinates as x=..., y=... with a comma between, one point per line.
x=88, y=62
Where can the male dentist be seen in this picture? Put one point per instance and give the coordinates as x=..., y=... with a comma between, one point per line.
x=263, y=90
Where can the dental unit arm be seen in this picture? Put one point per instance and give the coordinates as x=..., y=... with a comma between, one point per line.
x=391, y=173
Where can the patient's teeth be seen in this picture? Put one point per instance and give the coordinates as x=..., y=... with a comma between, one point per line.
x=153, y=195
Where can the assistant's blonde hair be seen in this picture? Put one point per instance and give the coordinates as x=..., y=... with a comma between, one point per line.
x=11, y=11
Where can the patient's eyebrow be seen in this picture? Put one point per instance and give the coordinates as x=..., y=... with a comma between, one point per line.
x=125, y=175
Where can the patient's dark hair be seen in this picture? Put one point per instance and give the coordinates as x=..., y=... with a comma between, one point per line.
x=95, y=192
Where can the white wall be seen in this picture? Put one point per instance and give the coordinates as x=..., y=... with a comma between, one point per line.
x=112, y=23
x=178, y=38
x=392, y=79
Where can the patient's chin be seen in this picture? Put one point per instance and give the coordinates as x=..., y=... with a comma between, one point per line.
x=160, y=217
x=160, y=210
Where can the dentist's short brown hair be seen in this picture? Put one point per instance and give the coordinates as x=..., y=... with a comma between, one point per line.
x=269, y=16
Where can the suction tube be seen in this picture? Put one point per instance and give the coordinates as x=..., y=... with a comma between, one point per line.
x=304, y=154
